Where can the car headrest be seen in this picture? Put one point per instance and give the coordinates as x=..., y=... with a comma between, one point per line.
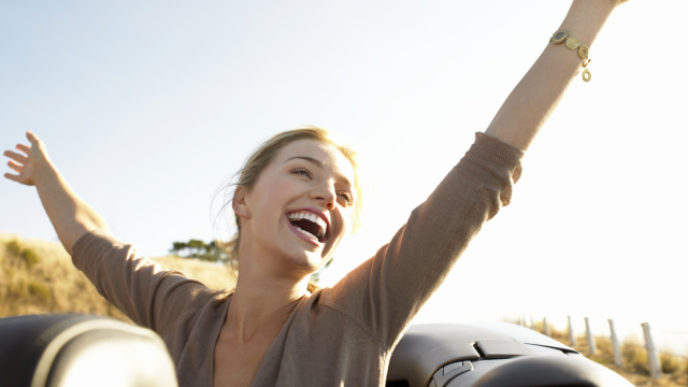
x=570, y=371
x=490, y=355
x=81, y=350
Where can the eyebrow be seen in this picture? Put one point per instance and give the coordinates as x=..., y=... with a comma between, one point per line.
x=319, y=164
x=309, y=159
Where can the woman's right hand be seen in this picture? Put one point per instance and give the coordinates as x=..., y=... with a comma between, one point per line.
x=70, y=215
x=28, y=161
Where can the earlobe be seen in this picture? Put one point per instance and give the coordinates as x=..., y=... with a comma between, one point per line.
x=239, y=204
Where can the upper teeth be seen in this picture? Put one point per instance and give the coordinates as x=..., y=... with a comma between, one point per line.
x=310, y=217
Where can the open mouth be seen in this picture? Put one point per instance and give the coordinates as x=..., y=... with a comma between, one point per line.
x=309, y=224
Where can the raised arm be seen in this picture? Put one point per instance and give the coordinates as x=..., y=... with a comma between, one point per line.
x=385, y=292
x=69, y=214
x=537, y=94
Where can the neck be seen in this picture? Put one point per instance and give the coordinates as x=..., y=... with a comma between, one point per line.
x=261, y=302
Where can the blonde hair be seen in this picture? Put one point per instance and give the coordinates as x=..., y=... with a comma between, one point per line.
x=261, y=158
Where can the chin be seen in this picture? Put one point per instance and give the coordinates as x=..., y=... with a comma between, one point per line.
x=304, y=261
x=309, y=260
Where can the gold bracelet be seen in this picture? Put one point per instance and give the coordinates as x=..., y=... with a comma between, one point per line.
x=572, y=43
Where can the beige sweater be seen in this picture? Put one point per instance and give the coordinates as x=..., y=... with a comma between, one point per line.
x=339, y=336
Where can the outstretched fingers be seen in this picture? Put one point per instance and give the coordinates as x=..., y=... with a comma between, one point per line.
x=18, y=168
x=15, y=166
x=24, y=148
x=13, y=177
x=18, y=157
x=20, y=160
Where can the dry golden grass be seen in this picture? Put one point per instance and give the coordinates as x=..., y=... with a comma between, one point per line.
x=38, y=277
x=214, y=276
x=635, y=365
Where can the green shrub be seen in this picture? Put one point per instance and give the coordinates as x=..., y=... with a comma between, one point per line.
x=30, y=257
x=39, y=290
x=26, y=254
x=13, y=247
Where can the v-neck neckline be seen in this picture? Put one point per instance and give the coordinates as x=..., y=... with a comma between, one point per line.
x=270, y=349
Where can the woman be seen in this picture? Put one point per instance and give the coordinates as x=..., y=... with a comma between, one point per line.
x=296, y=199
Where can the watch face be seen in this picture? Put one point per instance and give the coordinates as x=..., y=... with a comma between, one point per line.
x=559, y=36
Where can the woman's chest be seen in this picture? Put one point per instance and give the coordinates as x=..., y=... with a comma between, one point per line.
x=237, y=364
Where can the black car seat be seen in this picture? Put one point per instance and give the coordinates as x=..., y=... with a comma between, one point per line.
x=81, y=350
x=491, y=355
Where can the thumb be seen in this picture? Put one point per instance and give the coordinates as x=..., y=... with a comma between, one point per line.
x=33, y=139
x=37, y=146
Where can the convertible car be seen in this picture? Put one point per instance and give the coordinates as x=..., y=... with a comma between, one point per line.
x=81, y=350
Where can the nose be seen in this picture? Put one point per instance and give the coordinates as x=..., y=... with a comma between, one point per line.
x=325, y=194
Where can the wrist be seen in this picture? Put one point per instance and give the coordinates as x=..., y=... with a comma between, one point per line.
x=586, y=18
x=45, y=172
x=48, y=179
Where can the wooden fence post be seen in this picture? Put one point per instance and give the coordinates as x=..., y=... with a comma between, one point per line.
x=572, y=336
x=545, y=327
x=615, y=344
x=652, y=356
x=591, y=340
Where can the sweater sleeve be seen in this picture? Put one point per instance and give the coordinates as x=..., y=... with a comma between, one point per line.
x=159, y=299
x=386, y=291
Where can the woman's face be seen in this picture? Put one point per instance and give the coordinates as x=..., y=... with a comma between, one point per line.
x=300, y=207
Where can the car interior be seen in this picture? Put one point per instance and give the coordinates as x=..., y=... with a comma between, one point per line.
x=82, y=350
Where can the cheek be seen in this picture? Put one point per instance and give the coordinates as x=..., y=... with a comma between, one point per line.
x=285, y=185
x=345, y=222
x=271, y=192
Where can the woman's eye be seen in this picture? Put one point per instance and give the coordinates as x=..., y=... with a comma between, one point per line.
x=345, y=197
x=302, y=172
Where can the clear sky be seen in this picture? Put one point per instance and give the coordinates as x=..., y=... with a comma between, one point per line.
x=149, y=108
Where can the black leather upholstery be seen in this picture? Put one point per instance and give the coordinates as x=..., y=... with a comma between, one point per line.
x=491, y=355
x=80, y=350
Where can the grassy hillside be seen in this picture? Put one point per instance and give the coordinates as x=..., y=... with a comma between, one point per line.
x=38, y=277
x=635, y=366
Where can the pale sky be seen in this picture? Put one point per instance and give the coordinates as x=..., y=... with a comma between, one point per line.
x=149, y=108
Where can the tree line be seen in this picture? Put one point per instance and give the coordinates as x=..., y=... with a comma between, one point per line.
x=196, y=248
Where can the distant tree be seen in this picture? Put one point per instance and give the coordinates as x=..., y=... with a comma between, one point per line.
x=178, y=247
x=196, y=248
